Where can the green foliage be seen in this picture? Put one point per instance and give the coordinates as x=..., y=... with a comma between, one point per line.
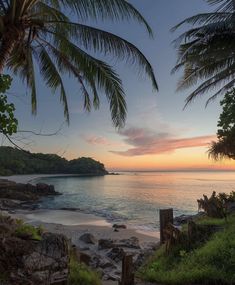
x=14, y=161
x=210, y=263
x=82, y=275
x=205, y=51
x=216, y=205
x=61, y=46
x=225, y=146
x=8, y=122
x=31, y=231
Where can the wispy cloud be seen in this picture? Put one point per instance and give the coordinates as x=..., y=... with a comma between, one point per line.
x=100, y=141
x=145, y=141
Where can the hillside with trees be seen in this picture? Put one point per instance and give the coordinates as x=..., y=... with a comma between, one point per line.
x=15, y=161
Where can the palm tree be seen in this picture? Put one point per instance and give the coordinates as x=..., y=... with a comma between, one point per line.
x=41, y=32
x=206, y=52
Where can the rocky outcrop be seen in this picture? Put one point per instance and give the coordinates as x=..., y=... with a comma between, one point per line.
x=88, y=238
x=27, y=262
x=106, y=255
x=19, y=196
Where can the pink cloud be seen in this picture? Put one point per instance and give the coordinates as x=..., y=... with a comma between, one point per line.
x=95, y=140
x=145, y=141
x=101, y=141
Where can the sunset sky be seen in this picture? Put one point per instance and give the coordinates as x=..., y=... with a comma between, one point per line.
x=158, y=134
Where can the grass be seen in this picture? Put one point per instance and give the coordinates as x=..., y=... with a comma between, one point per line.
x=212, y=262
x=81, y=274
x=25, y=229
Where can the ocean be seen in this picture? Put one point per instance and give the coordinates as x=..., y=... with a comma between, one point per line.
x=135, y=198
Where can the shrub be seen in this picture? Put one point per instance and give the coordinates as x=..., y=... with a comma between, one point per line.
x=28, y=230
x=82, y=275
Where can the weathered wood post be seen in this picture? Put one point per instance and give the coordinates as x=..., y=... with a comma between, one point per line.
x=166, y=217
x=127, y=270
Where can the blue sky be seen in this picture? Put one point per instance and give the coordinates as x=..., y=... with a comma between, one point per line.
x=156, y=118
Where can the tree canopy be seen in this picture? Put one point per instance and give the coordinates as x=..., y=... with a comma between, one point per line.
x=225, y=146
x=15, y=161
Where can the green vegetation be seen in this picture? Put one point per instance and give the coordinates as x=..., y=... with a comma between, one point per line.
x=216, y=205
x=28, y=230
x=210, y=262
x=205, y=51
x=47, y=33
x=81, y=274
x=8, y=122
x=225, y=146
x=15, y=161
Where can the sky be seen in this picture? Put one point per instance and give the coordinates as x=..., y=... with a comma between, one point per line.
x=158, y=135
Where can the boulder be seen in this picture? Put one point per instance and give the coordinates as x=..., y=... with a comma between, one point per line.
x=116, y=254
x=105, y=244
x=41, y=262
x=117, y=226
x=88, y=238
x=132, y=242
x=84, y=258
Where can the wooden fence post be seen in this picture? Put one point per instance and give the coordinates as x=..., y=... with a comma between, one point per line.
x=166, y=217
x=127, y=270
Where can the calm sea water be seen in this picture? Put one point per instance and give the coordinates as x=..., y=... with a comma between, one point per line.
x=135, y=198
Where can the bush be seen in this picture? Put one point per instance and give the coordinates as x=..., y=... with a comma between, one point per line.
x=82, y=275
x=28, y=230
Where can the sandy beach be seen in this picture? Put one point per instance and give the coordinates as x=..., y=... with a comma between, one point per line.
x=73, y=224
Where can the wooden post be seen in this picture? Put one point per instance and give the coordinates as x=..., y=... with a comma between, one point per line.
x=127, y=270
x=166, y=217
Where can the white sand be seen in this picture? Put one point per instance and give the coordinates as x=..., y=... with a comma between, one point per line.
x=73, y=224
x=28, y=178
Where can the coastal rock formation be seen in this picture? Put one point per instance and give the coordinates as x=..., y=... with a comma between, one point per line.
x=21, y=196
x=88, y=238
x=25, y=261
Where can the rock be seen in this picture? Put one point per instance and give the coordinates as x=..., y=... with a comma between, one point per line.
x=182, y=219
x=45, y=189
x=116, y=254
x=88, y=238
x=105, y=244
x=132, y=242
x=139, y=260
x=85, y=258
x=25, y=192
x=85, y=248
x=104, y=263
x=28, y=262
x=117, y=226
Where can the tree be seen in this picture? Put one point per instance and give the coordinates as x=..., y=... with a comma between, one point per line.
x=206, y=52
x=8, y=122
x=225, y=146
x=42, y=32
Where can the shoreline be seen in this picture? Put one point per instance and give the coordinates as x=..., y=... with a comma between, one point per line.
x=66, y=218
x=29, y=178
x=74, y=224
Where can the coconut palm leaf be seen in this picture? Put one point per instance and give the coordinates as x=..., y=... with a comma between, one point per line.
x=206, y=52
x=41, y=32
